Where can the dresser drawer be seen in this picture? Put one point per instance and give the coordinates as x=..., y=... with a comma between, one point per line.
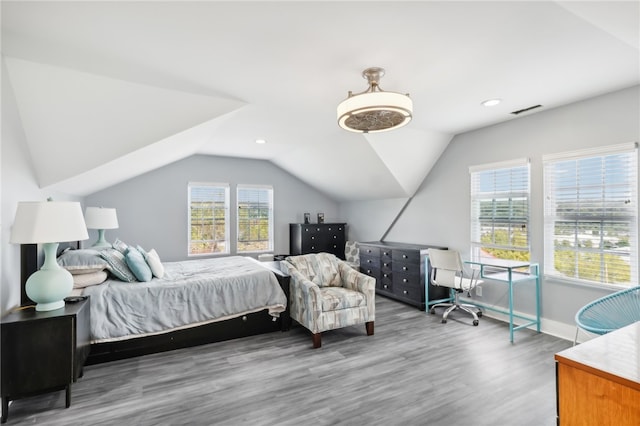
x=371, y=271
x=407, y=278
x=409, y=292
x=409, y=256
x=369, y=262
x=385, y=284
x=409, y=268
x=369, y=251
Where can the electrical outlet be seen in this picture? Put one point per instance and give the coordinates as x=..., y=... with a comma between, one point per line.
x=479, y=291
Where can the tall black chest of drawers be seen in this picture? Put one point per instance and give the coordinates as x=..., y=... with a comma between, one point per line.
x=399, y=270
x=317, y=237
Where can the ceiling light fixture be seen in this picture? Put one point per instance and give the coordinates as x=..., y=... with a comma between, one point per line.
x=374, y=110
x=491, y=102
x=261, y=141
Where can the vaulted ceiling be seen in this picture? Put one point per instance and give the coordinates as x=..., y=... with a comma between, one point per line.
x=109, y=90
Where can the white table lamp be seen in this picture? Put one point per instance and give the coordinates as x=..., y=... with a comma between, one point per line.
x=101, y=218
x=48, y=223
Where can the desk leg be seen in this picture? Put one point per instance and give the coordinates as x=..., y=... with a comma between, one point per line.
x=538, y=297
x=510, y=306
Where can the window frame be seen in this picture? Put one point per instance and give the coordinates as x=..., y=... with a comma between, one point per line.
x=270, y=219
x=225, y=187
x=551, y=217
x=477, y=196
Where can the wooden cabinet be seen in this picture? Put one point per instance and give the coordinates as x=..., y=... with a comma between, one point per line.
x=598, y=382
x=43, y=351
x=399, y=270
x=317, y=237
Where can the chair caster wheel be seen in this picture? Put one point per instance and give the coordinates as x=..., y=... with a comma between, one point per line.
x=432, y=311
x=444, y=321
x=476, y=322
x=479, y=314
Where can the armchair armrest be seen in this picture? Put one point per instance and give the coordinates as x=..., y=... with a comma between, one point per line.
x=363, y=283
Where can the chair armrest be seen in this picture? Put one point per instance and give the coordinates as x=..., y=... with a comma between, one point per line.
x=363, y=283
x=301, y=284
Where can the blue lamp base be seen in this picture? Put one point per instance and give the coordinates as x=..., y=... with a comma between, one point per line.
x=101, y=242
x=51, y=284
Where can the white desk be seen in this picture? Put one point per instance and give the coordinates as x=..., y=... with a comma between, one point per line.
x=506, y=271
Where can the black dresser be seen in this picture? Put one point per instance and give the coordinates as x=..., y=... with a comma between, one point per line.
x=43, y=351
x=400, y=271
x=317, y=237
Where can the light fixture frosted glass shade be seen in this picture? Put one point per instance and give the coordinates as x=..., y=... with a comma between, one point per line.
x=48, y=222
x=101, y=218
x=371, y=112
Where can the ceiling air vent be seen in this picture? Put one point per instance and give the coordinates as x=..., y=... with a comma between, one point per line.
x=520, y=111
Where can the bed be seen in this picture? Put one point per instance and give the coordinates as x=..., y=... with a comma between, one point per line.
x=195, y=302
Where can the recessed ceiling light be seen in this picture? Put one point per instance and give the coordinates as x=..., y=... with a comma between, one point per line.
x=261, y=141
x=491, y=102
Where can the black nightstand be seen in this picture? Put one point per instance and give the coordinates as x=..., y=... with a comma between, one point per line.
x=43, y=351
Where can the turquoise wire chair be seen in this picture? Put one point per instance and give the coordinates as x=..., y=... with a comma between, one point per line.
x=610, y=312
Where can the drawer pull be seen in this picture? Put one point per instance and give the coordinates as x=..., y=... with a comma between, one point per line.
x=404, y=280
x=385, y=264
x=405, y=292
x=368, y=271
x=404, y=268
x=368, y=250
x=368, y=260
x=335, y=246
x=385, y=286
x=385, y=275
x=386, y=254
x=404, y=256
x=335, y=236
x=244, y=318
x=318, y=229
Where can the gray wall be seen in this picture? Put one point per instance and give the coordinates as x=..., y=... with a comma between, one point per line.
x=440, y=211
x=18, y=183
x=152, y=208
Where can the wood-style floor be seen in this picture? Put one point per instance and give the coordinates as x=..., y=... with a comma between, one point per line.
x=413, y=371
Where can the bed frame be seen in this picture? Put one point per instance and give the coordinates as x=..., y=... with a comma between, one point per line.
x=247, y=325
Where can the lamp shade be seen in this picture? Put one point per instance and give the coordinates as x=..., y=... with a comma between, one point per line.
x=48, y=222
x=101, y=218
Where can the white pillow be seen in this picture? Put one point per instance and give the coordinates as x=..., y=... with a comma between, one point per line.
x=93, y=278
x=153, y=260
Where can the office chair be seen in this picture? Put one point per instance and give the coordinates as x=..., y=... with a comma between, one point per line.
x=447, y=270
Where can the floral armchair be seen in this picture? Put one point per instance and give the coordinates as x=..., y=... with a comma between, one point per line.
x=326, y=293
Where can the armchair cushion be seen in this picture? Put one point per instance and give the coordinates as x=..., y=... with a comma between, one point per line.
x=333, y=298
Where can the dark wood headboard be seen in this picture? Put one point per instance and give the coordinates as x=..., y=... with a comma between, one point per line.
x=31, y=258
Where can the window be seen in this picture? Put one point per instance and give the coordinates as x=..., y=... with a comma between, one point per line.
x=500, y=210
x=208, y=218
x=590, y=213
x=255, y=218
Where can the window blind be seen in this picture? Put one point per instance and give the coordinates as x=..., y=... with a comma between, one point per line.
x=208, y=218
x=255, y=218
x=590, y=211
x=500, y=210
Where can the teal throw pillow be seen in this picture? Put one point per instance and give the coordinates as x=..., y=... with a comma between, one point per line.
x=137, y=264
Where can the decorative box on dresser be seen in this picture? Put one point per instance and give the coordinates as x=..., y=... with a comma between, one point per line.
x=317, y=237
x=399, y=270
x=43, y=351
